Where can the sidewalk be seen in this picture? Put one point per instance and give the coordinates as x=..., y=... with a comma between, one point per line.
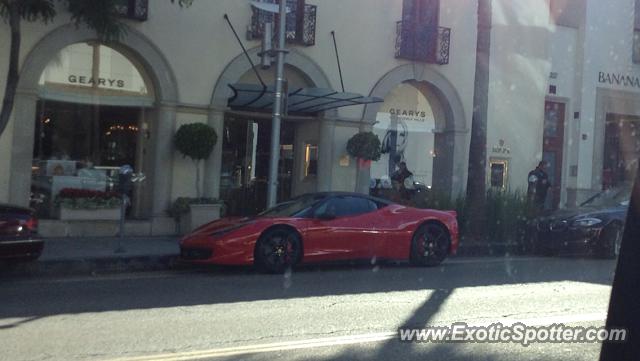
x=92, y=255
x=96, y=255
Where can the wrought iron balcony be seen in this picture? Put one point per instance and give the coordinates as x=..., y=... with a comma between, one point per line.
x=301, y=23
x=133, y=9
x=423, y=43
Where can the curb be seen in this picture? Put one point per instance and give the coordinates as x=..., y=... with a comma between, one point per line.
x=92, y=266
x=495, y=249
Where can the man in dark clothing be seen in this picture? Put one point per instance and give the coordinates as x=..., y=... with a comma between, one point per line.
x=538, y=186
x=399, y=176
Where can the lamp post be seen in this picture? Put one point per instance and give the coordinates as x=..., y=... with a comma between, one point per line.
x=278, y=104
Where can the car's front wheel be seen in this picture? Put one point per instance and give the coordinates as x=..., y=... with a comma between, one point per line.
x=610, y=240
x=430, y=245
x=277, y=250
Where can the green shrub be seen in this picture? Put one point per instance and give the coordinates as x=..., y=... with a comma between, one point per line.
x=180, y=206
x=196, y=141
x=364, y=145
x=505, y=213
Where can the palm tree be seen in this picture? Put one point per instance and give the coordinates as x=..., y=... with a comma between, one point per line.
x=99, y=15
x=476, y=182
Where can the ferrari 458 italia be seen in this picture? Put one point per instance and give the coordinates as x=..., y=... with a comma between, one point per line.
x=322, y=227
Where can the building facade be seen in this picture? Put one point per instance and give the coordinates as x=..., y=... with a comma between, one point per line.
x=554, y=79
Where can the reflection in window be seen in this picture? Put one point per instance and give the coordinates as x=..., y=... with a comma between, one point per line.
x=310, y=160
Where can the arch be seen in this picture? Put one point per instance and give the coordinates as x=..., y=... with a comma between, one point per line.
x=133, y=43
x=239, y=66
x=141, y=51
x=451, y=141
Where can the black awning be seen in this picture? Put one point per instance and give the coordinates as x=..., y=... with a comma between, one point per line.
x=255, y=97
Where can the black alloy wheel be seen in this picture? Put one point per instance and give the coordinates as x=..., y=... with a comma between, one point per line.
x=277, y=250
x=610, y=240
x=430, y=245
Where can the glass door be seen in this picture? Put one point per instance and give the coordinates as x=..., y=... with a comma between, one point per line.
x=245, y=164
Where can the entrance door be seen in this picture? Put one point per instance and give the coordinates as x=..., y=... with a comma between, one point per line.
x=552, y=149
x=245, y=164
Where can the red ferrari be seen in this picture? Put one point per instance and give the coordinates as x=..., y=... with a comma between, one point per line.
x=325, y=227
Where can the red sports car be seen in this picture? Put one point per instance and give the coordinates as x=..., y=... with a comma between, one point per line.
x=325, y=227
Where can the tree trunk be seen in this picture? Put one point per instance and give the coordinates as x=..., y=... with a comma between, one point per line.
x=197, y=178
x=14, y=58
x=476, y=183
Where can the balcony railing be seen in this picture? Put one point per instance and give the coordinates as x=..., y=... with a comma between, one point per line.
x=133, y=9
x=301, y=23
x=423, y=43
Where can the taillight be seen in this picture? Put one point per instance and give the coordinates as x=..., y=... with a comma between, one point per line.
x=32, y=224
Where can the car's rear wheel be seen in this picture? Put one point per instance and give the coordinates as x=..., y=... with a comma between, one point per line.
x=430, y=245
x=277, y=250
x=610, y=240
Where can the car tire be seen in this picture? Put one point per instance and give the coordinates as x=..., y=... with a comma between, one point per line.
x=609, y=241
x=277, y=250
x=429, y=245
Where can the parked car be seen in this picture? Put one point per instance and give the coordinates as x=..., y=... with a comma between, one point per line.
x=325, y=227
x=19, y=234
x=595, y=227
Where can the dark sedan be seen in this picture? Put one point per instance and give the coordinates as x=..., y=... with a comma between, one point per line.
x=595, y=227
x=19, y=239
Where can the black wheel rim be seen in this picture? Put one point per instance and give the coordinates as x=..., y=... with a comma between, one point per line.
x=432, y=242
x=279, y=250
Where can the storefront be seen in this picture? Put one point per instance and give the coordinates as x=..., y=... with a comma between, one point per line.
x=93, y=116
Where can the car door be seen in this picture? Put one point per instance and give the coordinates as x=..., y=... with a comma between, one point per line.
x=350, y=233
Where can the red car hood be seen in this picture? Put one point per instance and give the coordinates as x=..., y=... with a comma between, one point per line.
x=219, y=224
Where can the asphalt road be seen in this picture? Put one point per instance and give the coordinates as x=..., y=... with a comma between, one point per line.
x=315, y=313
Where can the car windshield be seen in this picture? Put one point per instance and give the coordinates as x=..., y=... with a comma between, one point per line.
x=293, y=207
x=610, y=198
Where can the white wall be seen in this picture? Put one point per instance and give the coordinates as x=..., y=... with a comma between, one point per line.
x=518, y=80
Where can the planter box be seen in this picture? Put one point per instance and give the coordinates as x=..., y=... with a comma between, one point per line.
x=198, y=215
x=107, y=214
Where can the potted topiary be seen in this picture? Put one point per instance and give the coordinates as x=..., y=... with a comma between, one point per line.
x=196, y=141
x=365, y=147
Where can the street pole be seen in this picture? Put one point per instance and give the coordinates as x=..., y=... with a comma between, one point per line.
x=272, y=191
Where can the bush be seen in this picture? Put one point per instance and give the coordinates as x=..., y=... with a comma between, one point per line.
x=196, y=140
x=180, y=206
x=506, y=213
x=364, y=145
x=87, y=199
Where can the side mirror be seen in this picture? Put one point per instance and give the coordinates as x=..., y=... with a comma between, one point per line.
x=326, y=216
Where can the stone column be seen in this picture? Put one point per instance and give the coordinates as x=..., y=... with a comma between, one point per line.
x=24, y=117
x=213, y=165
x=326, y=155
x=163, y=159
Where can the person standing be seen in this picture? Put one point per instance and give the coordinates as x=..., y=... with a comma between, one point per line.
x=538, y=187
x=399, y=177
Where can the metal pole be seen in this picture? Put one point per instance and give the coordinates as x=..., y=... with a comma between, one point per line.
x=272, y=192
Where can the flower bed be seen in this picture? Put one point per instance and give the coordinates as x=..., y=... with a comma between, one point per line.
x=86, y=199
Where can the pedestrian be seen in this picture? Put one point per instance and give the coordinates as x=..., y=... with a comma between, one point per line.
x=399, y=177
x=538, y=187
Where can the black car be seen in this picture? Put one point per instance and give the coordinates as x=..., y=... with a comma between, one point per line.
x=19, y=234
x=595, y=227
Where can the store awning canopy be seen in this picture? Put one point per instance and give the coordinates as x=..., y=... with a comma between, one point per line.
x=255, y=97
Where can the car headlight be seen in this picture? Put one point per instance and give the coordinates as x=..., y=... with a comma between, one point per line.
x=586, y=222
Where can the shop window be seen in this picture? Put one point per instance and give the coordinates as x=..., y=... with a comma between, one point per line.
x=567, y=13
x=498, y=173
x=91, y=120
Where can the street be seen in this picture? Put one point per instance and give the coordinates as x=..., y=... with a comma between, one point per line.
x=334, y=312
